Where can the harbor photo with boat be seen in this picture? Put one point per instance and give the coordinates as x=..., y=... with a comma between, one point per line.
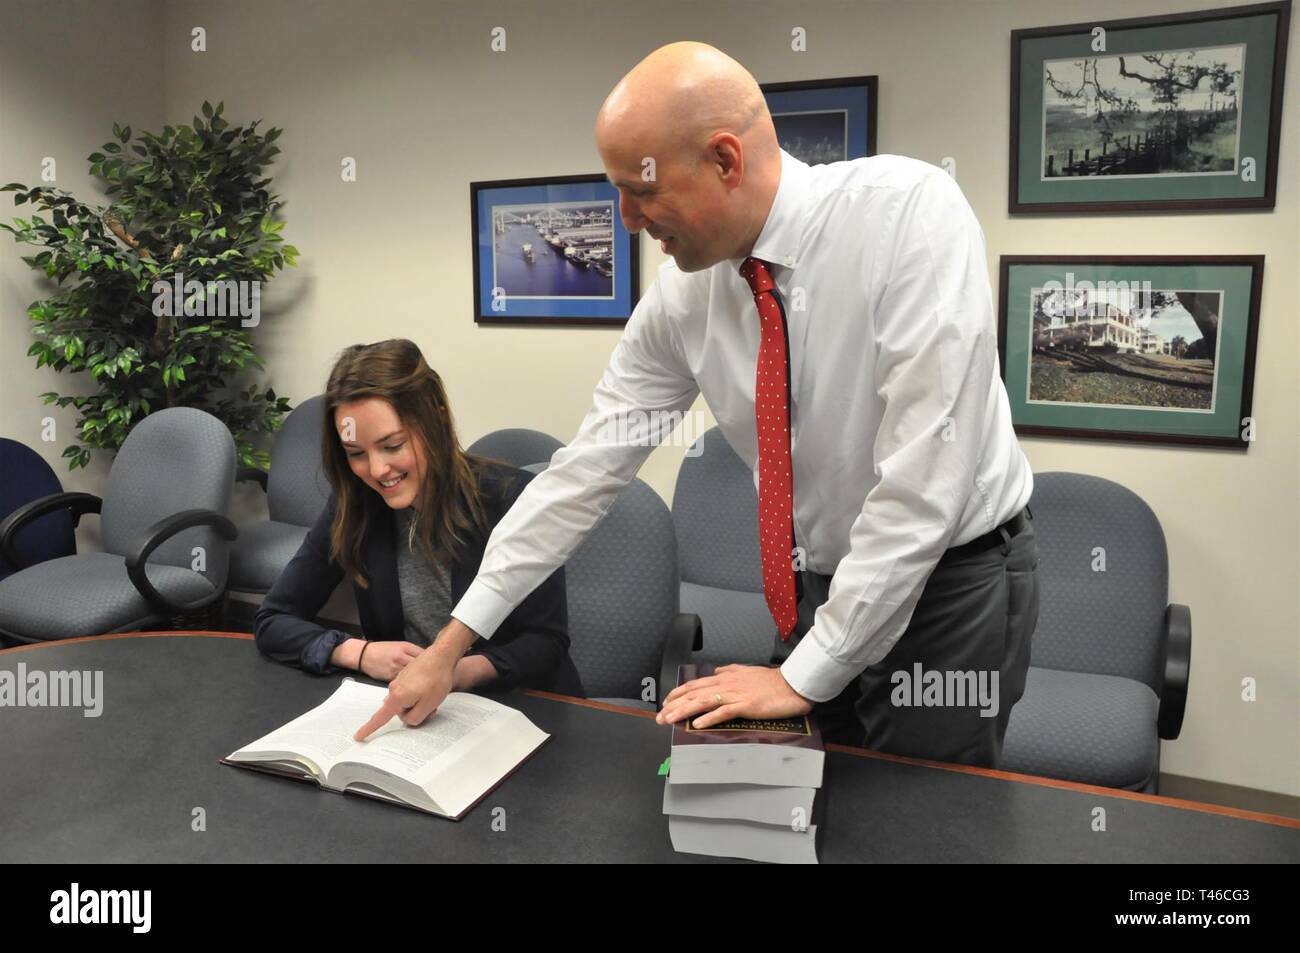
x=551, y=251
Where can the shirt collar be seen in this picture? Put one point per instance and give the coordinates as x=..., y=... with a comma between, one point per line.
x=778, y=243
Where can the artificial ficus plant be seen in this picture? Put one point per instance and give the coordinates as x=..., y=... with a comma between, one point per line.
x=190, y=212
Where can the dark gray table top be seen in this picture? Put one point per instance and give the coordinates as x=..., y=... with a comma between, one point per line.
x=122, y=787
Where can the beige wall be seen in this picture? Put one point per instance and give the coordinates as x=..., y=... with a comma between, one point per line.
x=412, y=92
x=67, y=73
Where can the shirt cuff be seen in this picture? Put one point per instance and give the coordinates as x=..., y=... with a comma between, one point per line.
x=315, y=657
x=482, y=609
x=814, y=674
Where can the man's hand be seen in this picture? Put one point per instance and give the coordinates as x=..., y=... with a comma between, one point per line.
x=421, y=686
x=746, y=691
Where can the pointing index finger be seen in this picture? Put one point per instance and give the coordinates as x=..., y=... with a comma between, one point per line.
x=387, y=710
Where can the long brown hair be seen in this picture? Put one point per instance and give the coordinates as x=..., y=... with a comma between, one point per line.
x=449, y=506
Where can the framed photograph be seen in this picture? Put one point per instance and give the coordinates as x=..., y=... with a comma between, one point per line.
x=551, y=251
x=824, y=120
x=1152, y=114
x=1155, y=349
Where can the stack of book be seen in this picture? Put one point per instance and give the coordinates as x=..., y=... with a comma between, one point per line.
x=745, y=788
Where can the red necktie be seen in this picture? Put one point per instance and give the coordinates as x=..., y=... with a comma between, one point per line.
x=775, y=480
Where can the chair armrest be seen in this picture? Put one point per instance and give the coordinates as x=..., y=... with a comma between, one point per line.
x=685, y=635
x=159, y=533
x=1178, y=670
x=80, y=504
x=252, y=475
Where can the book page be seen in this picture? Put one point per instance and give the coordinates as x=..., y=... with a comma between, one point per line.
x=413, y=753
x=325, y=732
x=464, y=748
x=459, y=776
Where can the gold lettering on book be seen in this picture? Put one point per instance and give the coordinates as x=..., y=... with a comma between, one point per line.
x=793, y=726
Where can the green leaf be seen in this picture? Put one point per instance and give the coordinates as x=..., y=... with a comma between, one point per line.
x=98, y=319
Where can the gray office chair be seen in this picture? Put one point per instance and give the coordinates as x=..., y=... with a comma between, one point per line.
x=621, y=585
x=1111, y=656
x=715, y=511
x=296, y=491
x=517, y=446
x=166, y=495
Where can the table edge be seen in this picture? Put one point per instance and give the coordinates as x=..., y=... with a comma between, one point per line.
x=1176, y=803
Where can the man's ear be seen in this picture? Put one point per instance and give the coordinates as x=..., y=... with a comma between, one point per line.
x=726, y=154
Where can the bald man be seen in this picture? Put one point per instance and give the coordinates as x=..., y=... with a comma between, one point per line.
x=838, y=321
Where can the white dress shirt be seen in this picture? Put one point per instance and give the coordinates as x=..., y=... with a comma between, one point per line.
x=901, y=432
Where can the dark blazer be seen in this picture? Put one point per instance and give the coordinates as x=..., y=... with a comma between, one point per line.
x=529, y=650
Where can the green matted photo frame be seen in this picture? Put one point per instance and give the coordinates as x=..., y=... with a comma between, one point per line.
x=1155, y=349
x=1163, y=113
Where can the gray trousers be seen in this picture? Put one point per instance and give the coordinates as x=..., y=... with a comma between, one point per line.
x=975, y=618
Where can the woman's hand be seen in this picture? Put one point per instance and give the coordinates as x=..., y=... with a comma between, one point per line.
x=419, y=688
x=384, y=660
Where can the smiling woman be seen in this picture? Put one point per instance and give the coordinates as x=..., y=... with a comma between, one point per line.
x=407, y=523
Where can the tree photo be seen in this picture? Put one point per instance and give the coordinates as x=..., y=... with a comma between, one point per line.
x=1172, y=112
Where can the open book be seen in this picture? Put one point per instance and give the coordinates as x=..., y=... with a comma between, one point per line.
x=445, y=766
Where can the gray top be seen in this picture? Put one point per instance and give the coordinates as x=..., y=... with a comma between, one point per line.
x=425, y=586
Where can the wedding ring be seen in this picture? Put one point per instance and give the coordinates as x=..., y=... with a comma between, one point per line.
x=718, y=698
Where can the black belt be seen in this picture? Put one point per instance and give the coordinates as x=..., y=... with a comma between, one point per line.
x=993, y=538
x=979, y=544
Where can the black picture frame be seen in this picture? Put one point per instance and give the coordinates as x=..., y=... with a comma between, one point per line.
x=1034, y=189
x=856, y=96
x=552, y=268
x=1231, y=364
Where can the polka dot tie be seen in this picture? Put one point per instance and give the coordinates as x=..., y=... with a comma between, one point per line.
x=772, y=420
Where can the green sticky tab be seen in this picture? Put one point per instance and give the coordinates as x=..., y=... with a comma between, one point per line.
x=663, y=768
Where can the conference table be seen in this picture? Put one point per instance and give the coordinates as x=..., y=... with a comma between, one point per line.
x=125, y=786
